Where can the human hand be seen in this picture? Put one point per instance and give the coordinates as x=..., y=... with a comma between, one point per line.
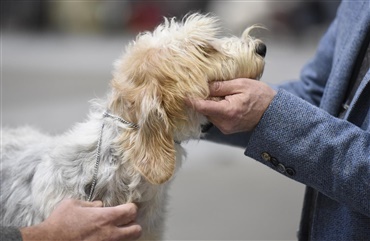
x=245, y=101
x=80, y=220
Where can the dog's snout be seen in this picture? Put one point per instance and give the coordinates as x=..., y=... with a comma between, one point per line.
x=261, y=49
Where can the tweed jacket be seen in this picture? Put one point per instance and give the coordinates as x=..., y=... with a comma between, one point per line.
x=300, y=136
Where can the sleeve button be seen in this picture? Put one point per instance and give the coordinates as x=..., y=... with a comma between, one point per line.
x=274, y=161
x=290, y=171
x=266, y=156
x=281, y=168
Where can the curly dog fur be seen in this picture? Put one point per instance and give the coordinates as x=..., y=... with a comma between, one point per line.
x=151, y=82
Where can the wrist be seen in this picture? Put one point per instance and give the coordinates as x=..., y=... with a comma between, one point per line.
x=36, y=232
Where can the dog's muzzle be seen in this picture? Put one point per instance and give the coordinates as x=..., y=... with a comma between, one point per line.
x=261, y=49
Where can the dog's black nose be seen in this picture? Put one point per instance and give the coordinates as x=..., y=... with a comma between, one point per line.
x=261, y=49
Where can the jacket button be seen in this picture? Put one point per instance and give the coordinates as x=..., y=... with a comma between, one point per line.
x=265, y=156
x=290, y=171
x=274, y=161
x=281, y=168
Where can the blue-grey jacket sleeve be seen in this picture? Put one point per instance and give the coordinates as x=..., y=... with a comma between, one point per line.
x=315, y=73
x=312, y=147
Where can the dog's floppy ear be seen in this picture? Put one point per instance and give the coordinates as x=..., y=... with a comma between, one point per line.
x=154, y=153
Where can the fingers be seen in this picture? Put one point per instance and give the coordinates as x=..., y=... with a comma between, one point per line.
x=124, y=214
x=120, y=215
x=131, y=231
x=96, y=221
x=94, y=204
x=209, y=107
x=69, y=202
x=128, y=229
x=225, y=88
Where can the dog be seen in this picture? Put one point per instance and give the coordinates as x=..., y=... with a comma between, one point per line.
x=129, y=148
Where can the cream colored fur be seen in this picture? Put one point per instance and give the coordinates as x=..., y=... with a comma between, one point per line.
x=175, y=62
x=151, y=82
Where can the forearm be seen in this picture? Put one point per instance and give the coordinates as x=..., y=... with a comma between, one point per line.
x=326, y=153
x=34, y=233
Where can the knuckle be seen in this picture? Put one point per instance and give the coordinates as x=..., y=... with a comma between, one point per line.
x=105, y=218
x=231, y=113
x=243, y=83
x=228, y=125
x=126, y=212
x=132, y=232
x=216, y=86
x=202, y=107
x=132, y=209
x=199, y=106
x=69, y=202
x=98, y=203
x=237, y=82
x=225, y=130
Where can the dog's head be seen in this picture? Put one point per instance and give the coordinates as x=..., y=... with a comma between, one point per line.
x=163, y=68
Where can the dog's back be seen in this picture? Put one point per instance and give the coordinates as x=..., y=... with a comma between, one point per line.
x=21, y=151
x=37, y=171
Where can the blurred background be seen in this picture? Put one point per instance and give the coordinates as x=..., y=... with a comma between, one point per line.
x=58, y=55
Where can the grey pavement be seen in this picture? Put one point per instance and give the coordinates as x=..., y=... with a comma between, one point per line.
x=219, y=194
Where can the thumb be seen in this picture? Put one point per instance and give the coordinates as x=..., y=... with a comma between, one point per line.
x=95, y=204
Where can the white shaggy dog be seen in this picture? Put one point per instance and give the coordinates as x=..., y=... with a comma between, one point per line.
x=130, y=146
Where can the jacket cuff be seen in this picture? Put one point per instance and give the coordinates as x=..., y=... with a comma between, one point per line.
x=273, y=140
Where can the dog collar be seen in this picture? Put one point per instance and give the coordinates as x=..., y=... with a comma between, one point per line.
x=98, y=148
x=130, y=124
